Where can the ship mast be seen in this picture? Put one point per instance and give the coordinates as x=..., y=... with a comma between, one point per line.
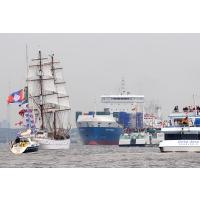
x=36, y=85
x=54, y=113
x=123, y=90
x=41, y=90
x=63, y=99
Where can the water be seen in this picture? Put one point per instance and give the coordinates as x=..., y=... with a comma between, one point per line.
x=98, y=156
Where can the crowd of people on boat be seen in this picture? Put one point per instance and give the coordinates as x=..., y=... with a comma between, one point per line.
x=188, y=109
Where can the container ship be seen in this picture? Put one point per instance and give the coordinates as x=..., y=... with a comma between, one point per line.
x=119, y=112
x=97, y=129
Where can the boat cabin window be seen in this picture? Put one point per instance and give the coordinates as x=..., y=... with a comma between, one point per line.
x=182, y=136
x=182, y=122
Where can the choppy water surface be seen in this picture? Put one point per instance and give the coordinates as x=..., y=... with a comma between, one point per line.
x=99, y=156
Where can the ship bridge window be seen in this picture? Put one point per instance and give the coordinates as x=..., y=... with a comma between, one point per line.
x=121, y=98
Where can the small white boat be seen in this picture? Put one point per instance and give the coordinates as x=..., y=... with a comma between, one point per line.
x=23, y=145
x=141, y=139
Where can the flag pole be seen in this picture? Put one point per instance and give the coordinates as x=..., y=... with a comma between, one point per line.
x=27, y=62
x=8, y=107
x=195, y=104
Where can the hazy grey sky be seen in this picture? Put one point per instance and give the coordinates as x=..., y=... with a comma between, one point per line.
x=163, y=67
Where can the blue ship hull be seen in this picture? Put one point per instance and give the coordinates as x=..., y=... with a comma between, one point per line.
x=100, y=135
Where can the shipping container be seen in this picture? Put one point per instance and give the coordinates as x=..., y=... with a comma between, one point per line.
x=91, y=113
x=139, y=120
x=116, y=115
x=131, y=120
x=124, y=119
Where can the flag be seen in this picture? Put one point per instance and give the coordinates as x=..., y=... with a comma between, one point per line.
x=16, y=97
x=20, y=123
x=29, y=120
x=25, y=101
x=21, y=112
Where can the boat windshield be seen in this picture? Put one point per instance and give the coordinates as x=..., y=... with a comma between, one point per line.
x=24, y=140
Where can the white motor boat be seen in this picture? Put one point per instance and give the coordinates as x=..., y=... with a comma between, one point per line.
x=23, y=145
x=183, y=133
x=140, y=139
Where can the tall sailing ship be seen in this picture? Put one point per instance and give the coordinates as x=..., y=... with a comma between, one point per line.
x=49, y=101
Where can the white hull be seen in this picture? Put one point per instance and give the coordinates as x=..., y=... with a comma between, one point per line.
x=143, y=140
x=53, y=144
x=130, y=142
x=180, y=146
x=19, y=148
x=124, y=142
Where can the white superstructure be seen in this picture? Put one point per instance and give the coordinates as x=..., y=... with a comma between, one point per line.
x=97, y=121
x=123, y=103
